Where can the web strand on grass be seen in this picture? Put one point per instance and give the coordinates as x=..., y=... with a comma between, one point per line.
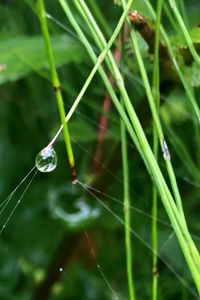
x=115, y=296
x=90, y=190
x=17, y=203
x=5, y=202
x=118, y=218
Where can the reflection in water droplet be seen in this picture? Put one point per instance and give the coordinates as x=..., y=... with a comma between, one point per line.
x=76, y=214
x=46, y=160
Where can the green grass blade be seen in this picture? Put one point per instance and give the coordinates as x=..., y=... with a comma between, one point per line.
x=187, y=88
x=185, y=31
x=127, y=214
x=57, y=87
x=178, y=224
x=156, y=94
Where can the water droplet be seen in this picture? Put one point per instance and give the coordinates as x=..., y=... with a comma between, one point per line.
x=46, y=160
x=166, y=153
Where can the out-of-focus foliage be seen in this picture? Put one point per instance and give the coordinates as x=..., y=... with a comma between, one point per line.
x=37, y=246
x=22, y=55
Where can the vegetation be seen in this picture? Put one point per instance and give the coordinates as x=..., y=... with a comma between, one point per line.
x=118, y=216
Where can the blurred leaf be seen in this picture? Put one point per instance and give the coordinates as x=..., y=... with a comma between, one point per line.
x=179, y=40
x=175, y=109
x=192, y=74
x=23, y=54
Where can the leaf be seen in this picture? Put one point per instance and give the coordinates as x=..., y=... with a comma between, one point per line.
x=179, y=40
x=21, y=55
x=192, y=74
x=175, y=109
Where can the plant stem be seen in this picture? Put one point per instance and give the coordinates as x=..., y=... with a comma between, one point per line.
x=184, y=31
x=187, y=88
x=183, y=11
x=98, y=61
x=102, y=73
x=170, y=17
x=125, y=166
x=57, y=87
x=156, y=94
x=100, y=17
x=176, y=219
x=182, y=152
x=127, y=215
x=193, y=103
x=156, y=118
x=170, y=170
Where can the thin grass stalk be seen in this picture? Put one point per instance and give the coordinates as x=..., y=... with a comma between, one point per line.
x=117, y=74
x=170, y=17
x=156, y=94
x=190, y=95
x=184, y=31
x=102, y=74
x=99, y=61
x=183, y=10
x=100, y=17
x=126, y=185
x=186, y=86
x=155, y=271
x=156, y=118
x=183, y=153
x=105, y=80
x=127, y=213
x=57, y=87
x=197, y=139
x=166, y=197
x=101, y=43
x=169, y=165
x=162, y=140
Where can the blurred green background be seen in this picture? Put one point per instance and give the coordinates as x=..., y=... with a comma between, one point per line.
x=47, y=246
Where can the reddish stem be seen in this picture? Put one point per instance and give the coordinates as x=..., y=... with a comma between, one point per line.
x=103, y=121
